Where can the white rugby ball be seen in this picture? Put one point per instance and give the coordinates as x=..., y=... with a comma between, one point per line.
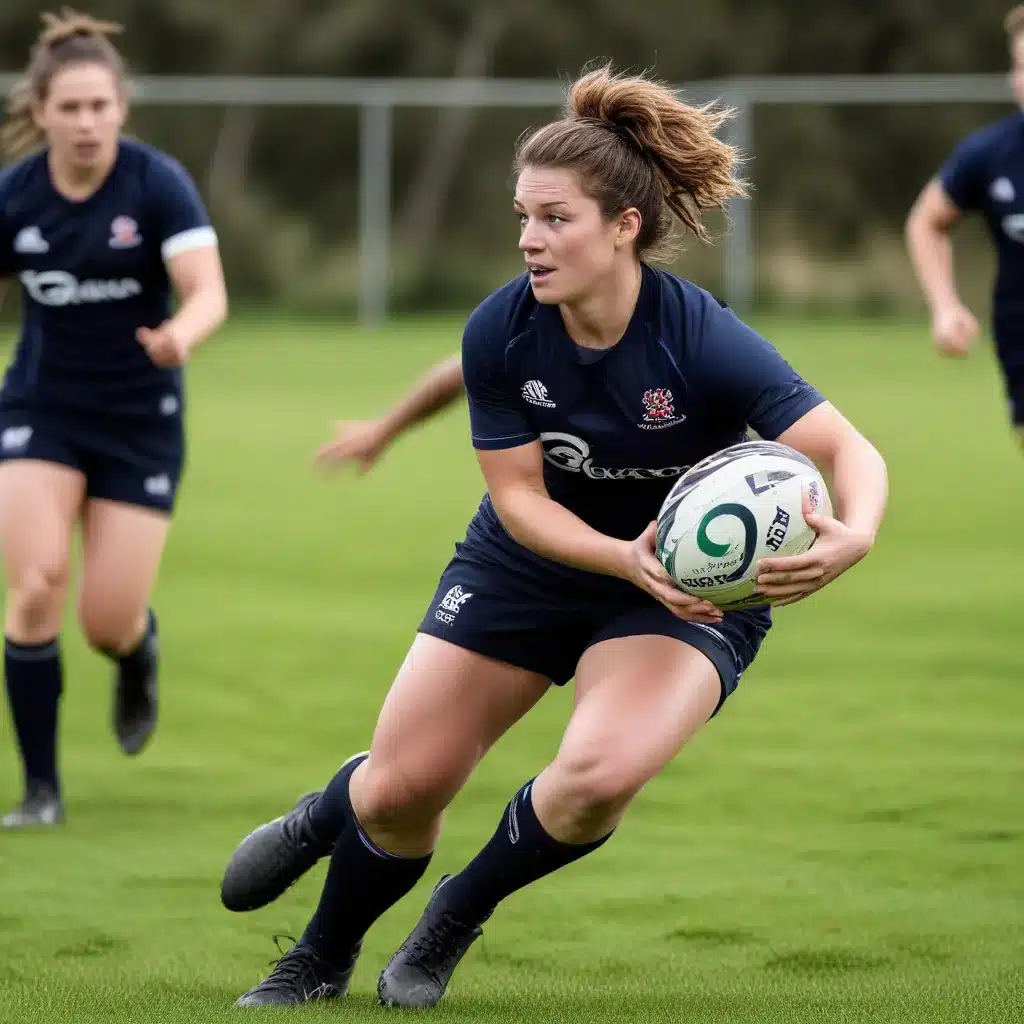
x=734, y=508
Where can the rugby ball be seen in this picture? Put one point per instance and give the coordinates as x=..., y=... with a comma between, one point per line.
x=729, y=511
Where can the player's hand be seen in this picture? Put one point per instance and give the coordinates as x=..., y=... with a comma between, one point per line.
x=644, y=569
x=836, y=549
x=954, y=328
x=163, y=346
x=359, y=441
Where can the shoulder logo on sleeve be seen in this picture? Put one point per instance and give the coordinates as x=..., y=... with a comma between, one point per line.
x=30, y=240
x=536, y=394
x=1002, y=190
x=659, y=410
x=124, y=233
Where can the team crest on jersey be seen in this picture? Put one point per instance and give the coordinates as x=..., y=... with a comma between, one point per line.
x=659, y=409
x=124, y=233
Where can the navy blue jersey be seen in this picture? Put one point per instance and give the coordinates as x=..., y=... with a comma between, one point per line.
x=92, y=272
x=619, y=426
x=986, y=174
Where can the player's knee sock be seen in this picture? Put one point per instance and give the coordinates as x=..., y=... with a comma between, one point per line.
x=34, y=684
x=138, y=663
x=362, y=882
x=518, y=853
x=331, y=811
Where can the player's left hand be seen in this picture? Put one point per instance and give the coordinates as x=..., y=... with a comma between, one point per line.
x=836, y=549
x=163, y=346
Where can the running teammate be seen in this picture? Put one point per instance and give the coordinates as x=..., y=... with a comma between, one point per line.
x=985, y=174
x=98, y=229
x=594, y=381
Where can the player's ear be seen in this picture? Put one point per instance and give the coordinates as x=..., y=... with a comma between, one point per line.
x=627, y=227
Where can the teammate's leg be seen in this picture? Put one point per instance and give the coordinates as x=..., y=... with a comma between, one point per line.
x=39, y=504
x=446, y=708
x=638, y=700
x=122, y=546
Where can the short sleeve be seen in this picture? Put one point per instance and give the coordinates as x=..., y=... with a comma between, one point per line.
x=497, y=416
x=963, y=175
x=178, y=213
x=744, y=376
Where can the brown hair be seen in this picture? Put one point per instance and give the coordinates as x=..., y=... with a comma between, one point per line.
x=1013, y=23
x=65, y=39
x=634, y=143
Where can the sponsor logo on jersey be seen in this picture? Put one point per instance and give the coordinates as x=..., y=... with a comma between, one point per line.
x=572, y=454
x=59, y=288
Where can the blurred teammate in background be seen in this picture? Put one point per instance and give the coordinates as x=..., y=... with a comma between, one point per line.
x=98, y=229
x=985, y=173
x=594, y=381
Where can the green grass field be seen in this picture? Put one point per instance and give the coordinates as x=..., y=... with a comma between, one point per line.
x=844, y=843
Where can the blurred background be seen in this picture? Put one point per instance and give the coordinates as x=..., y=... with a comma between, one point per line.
x=844, y=844
x=834, y=164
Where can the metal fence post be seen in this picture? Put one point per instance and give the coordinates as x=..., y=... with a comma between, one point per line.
x=740, y=256
x=375, y=157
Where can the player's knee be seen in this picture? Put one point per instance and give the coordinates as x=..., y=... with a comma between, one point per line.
x=107, y=629
x=34, y=602
x=596, y=785
x=394, y=794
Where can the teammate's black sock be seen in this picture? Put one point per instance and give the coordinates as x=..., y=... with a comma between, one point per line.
x=362, y=882
x=520, y=852
x=138, y=663
x=34, y=684
x=331, y=811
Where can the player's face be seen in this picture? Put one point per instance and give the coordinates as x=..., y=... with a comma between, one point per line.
x=568, y=244
x=1017, y=68
x=82, y=116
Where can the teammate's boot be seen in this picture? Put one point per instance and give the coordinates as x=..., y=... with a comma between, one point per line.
x=418, y=974
x=40, y=808
x=135, y=698
x=301, y=976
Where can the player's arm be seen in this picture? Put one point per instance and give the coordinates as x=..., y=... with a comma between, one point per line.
x=188, y=247
x=739, y=369
x=927, y=231
x=364, y=441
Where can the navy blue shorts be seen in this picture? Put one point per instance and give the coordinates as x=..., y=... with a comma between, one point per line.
x=502, y=614
x=132, y=461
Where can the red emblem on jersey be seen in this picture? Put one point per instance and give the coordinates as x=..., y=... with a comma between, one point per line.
x=658, y=407
x=124, y=233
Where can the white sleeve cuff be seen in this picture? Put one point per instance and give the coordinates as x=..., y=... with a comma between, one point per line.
x=185, y=241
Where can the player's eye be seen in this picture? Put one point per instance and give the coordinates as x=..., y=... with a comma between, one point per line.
x=553, y=218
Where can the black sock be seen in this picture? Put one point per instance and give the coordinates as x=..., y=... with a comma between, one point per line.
x=362, y=882
x=34, y=684
x=329, y=814
x=138, y=663
x=519, y=852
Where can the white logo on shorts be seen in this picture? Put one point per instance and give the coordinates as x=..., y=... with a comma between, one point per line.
x=15, y=438
x=168, y=405
x=1002, y=190
x=158, y=486
x=450, y=605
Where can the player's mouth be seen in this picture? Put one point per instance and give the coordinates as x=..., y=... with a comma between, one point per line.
x=539, y=272
x=87, y=149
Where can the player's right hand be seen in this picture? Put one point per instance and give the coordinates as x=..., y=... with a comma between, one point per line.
x=359, y=441
x=644, y=569
x=954, y=328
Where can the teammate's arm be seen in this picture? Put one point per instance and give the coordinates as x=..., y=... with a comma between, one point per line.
x=927, y=232
x=364, y=441
x=198, y=279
